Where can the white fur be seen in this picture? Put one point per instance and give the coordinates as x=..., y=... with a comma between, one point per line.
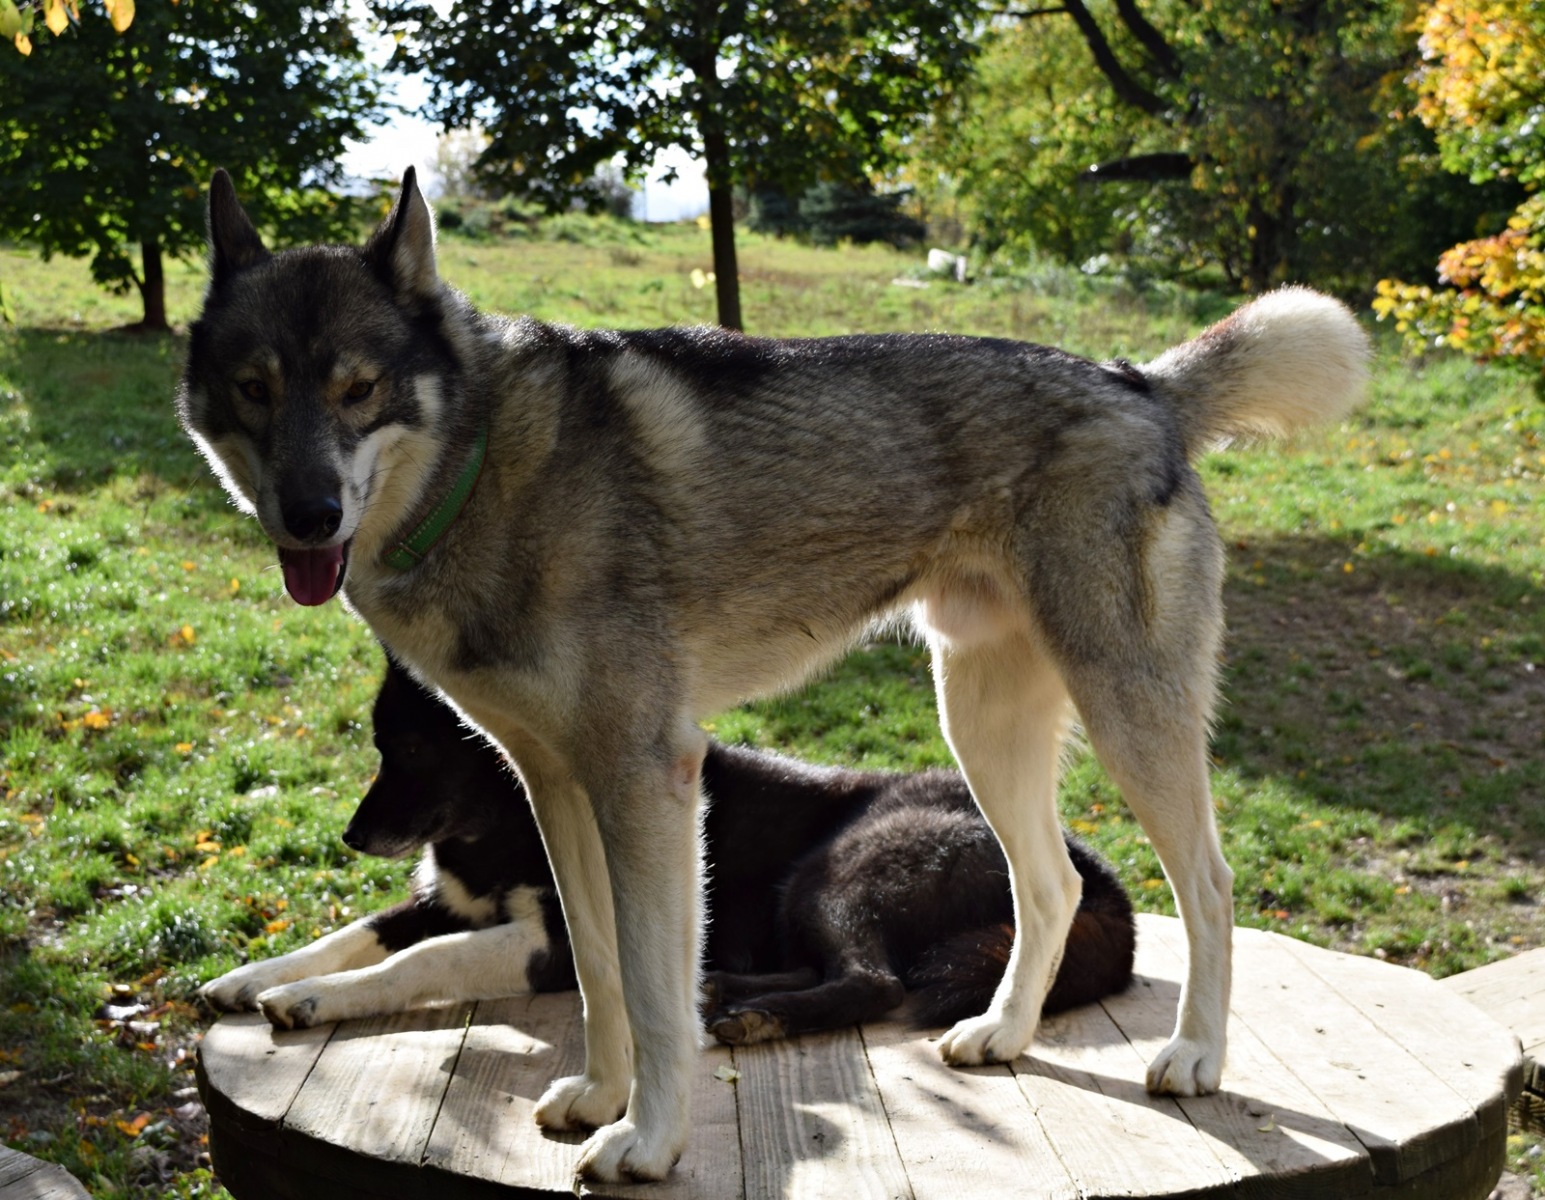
x=347, y=974
x=352, y=946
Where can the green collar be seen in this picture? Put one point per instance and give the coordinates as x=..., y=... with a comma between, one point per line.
x=412, y=549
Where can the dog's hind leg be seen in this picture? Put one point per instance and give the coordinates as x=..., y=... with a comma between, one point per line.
x=1145, y=688
x=1157, y=754
x=1005, y=712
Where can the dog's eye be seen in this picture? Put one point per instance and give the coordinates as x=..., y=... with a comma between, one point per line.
x=255, y=390
x=359, y=389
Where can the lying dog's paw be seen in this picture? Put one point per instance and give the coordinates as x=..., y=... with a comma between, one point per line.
x=1186, y=1068
x=746, y=1026
x=623, y=1152
x=984, y=1039
x=579, y=1102
x=237, y=991
x=294, y=1006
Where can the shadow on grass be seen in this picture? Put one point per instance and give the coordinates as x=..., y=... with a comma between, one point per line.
x=1398, y=682
x=101, y=406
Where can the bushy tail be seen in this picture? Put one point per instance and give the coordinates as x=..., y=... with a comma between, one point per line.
x=1289, y=359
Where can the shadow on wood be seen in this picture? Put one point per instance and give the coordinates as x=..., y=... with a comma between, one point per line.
x=1346, y=1077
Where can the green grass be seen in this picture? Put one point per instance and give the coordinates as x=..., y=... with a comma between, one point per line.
x=180, y=745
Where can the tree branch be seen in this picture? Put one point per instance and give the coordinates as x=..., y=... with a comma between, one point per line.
x=1149, y=37
x=1027, y=12
x=1127, y=89
x=1148, y=168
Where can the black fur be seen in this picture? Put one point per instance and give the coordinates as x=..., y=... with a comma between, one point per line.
x=831, y=892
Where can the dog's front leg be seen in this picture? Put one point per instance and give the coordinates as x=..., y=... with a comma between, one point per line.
x=355, y=945
x=578, y=861
x=648, y=820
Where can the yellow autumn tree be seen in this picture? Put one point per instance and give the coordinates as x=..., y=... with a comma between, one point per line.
x=18, y=19
x=1481, y=90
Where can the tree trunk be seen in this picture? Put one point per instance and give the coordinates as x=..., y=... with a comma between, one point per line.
x=152, y=287
x=721, y=219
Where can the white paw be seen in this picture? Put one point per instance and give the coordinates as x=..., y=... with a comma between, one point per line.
x=579, y=1102
x=237, y=991
x=985, y=1039
x=623, y=1152
x=294, y=1006
x=1186, y=1068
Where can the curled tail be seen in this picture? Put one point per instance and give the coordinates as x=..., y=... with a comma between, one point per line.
x=1289, y=359
x=956, y=978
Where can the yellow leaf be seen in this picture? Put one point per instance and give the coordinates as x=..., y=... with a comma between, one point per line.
x=55, y=17
x=10, y=22
x=24, y=44
x=120, y=13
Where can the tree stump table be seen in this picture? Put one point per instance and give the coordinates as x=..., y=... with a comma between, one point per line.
x=1346, y=1078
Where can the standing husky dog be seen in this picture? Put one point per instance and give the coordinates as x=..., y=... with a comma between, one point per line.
x=589, y=541
x=868, y=883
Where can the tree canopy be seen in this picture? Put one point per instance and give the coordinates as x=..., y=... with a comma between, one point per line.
x=112, y=135
x=766, y=92
x=1255, y=136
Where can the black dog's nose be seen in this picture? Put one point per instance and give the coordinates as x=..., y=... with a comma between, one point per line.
x=313, y=518
x=353, y=839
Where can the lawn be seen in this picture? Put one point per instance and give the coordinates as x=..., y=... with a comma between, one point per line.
x=180, y=745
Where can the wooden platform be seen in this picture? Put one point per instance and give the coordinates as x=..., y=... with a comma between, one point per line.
x=1512, y=993
x=1347, y=1078
x=23, y=1177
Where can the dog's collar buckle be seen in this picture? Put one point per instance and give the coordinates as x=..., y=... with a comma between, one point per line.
x=415, y=547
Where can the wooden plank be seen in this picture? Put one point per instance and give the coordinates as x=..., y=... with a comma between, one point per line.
x=376, y=1090
x=1470, y=1055
x=1264, y=1124
x=1084, y=1081
x=960, y=1132
x=1512, y=993
x=514, y=1049
x=487, y=1127
x=711, y=1167
x=23, y=1177
x=1406, y=1115
x=256, y=1068
x=812, y=1124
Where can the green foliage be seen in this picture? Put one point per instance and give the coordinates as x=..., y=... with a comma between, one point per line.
x=798, y=91
x=1250, y=139
x=832, y=212
x=111, y=137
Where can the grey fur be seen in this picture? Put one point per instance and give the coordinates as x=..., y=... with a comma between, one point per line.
x=671, y=521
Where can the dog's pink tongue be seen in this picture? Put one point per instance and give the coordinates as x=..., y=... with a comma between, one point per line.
x=312, y=576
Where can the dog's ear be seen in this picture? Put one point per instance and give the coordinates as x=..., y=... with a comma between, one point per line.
x=233, y=242
x=402, y=249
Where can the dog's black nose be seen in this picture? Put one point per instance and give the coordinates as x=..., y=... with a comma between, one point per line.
x=313, y=518
x=353, y=839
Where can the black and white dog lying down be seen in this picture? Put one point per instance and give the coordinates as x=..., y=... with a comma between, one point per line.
x=832, y=893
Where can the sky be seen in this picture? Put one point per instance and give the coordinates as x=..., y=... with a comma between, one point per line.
x=409, y=140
